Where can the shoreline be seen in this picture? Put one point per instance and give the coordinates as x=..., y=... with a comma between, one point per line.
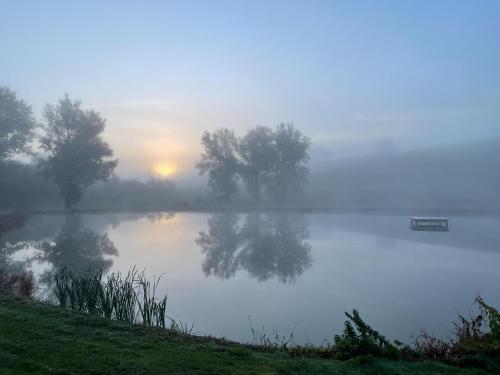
x=39, y=338
x=268, y=209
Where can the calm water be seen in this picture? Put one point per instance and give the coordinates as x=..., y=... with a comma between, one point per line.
x=282, y=270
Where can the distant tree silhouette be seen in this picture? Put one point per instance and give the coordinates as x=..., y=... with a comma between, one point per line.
x=257, y=154
x=220, y=161
x=275, y=160
x=289, y=173
x=22, y=186
x=16, y=124
x=77, y=154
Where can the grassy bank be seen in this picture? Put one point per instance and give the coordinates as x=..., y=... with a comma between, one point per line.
x=40, y=339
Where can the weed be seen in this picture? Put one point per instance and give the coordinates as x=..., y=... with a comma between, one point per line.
x=430, y=347
x=359, y=338
x=272, y=342
x=493, y=317
x=181, y=327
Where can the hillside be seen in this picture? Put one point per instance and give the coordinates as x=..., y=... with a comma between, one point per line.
x=458, y=176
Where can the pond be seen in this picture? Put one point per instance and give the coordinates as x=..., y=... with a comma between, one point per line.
x=282, y=271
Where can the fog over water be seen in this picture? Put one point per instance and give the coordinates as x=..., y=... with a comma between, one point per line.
x=263, y=157
x=220, y=269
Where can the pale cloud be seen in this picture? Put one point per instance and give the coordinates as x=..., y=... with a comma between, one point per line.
x=132, y=104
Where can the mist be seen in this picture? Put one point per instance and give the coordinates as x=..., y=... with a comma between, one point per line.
x=250, y=187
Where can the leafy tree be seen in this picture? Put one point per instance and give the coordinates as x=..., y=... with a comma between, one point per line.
x=219, y=160
x=263, y=158
x=257, y=152
x=77, y=154
x=16, y=124
x=289, y=172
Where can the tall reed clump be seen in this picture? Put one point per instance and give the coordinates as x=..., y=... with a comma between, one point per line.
x=119, y=296
x=128, y=298
x=151, y=310
x=20, y=284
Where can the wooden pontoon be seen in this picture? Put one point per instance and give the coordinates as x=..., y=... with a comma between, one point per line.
x=439, y=224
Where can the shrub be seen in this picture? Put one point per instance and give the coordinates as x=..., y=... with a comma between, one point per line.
x=493, y=317
x=430, y=347
x=360, y=339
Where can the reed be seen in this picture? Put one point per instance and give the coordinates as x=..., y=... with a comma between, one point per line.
x=128, y=298
x=26, y=286
x=181, y=327
x=60, y=279
x=151, y=310
x=21, y=284
x=124, y=296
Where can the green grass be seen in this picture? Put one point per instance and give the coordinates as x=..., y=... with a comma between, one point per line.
x=37, y=338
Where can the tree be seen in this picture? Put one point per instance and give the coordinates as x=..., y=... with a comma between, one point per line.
x=77, y=154
x=289, y=172
x=16, y=124
x=257, y=152
x=263, y=158
x=219, y=160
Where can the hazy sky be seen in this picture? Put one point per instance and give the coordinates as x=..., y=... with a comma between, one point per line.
x=353, y=75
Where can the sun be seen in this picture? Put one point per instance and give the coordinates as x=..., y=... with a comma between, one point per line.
x=164, y=169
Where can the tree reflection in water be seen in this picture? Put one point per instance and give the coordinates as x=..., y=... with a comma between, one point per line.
x=78, y=248
x=9, y=247
x=266, y=245
x=220, y=245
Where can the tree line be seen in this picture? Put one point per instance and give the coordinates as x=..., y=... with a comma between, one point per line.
x=274, y=160
x=75, y=155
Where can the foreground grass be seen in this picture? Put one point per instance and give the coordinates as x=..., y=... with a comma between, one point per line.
x=40, y=339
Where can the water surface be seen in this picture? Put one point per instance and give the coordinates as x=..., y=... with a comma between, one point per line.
x=281, y=270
